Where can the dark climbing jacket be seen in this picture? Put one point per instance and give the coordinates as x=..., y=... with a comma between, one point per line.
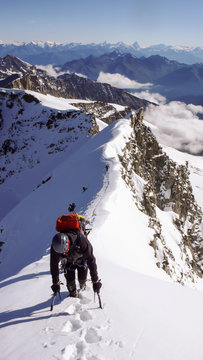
x=81, y=251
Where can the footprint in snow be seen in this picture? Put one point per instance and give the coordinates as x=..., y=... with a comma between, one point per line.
x=92, y=336
x=85, y=316
x=76, y=324
x=74, y=351
x=84, y=300
x=72, y=325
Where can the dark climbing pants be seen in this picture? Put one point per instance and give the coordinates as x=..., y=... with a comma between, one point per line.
x=81, y=273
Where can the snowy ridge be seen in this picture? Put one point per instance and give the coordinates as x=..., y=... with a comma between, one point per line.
x=143, y=317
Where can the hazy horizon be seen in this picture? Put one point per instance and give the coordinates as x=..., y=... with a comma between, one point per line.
x=176, y=23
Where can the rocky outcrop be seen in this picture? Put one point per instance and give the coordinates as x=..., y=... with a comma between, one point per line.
x=166, y=187
x=72, y=86
x=103, y=111
x=9, y=146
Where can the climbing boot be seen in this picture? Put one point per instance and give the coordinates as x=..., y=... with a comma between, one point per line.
x=82, y=285
x=72, y=289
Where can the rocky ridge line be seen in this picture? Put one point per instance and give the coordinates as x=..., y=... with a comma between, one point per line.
x=166, y=186
x=71, y=86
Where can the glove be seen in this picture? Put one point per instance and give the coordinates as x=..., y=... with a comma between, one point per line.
x=55, y=288
x=97, y=286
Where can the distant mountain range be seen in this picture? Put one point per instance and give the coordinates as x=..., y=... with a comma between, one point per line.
x=170, y=78
x=143, y=69
x=43, y=53
x=174, y=80
x=70, y=86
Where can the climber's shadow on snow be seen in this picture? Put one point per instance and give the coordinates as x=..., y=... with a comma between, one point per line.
x=31, y=313
x=23, y=277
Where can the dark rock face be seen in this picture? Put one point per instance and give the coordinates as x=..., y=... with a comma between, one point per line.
x=167, y=187
x=5, y=82
x=30, y=98
x=75, y=87
x=9, y=146
x=103, y=111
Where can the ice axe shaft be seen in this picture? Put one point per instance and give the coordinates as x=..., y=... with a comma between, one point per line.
x=53, y=299
x=99, y=298
x=100, y=303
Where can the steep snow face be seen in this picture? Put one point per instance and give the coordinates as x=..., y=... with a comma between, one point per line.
x=37, y=132
x=195, y=166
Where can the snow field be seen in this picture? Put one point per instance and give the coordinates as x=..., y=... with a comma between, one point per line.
x=142, y=317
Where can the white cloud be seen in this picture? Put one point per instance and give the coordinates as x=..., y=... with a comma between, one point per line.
x=153, y=97
x=177, y=125
x=81, y=75
x=51, y=71
x=121, y=81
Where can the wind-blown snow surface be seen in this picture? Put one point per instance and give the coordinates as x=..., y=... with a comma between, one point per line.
x=144, y=316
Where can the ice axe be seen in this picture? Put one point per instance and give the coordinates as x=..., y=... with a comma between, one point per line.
x=99, y=298
x=100, y=303
x=54, y=297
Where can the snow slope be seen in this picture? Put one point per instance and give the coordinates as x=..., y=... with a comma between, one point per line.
x=149, y=319
x=43, y=133
x=144, y=316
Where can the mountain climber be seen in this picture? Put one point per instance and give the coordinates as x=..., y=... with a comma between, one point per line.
x=75, y=252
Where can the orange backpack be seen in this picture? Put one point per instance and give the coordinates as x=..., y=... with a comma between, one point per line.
x=69, y=222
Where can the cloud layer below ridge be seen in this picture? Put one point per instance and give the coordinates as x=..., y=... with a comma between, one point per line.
x=177, y=125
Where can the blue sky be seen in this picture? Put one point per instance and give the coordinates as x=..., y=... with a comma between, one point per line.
x=149, y=22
